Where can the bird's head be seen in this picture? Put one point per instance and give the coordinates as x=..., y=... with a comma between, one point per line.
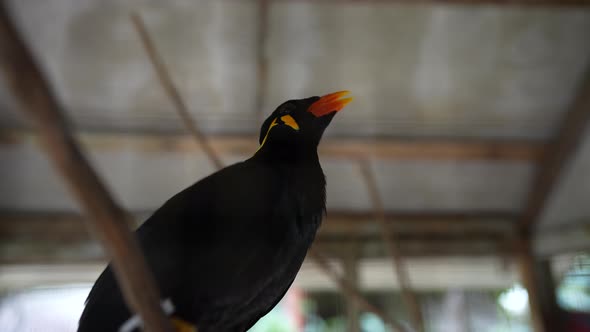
x=301, y=122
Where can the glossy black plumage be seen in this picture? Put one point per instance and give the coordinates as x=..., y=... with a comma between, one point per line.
x=226, y=249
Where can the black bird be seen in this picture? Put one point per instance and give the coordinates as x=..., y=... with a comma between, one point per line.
x=225, y=250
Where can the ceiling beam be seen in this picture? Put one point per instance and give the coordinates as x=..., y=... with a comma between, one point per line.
x=337, y=223
x=560, y=239
x=557, y=156
x=61, y=237
x=57, y=247
x=331, y=148
x=363, y=223
x=463, y=2
x=373, y=248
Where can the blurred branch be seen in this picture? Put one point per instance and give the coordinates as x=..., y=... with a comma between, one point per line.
x=261, y=58
x=106, y=221
x=172, y=91
x=387, y=233
x=349, y=290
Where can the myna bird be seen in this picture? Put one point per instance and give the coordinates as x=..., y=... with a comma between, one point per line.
x=225, y=250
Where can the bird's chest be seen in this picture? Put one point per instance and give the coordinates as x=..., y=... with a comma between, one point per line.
x=296, y=229
x=294, y=223
x=294, y=218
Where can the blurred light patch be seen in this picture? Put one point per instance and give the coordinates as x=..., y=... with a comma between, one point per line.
x=57, y=309
x=514, y=300
x=43, y=309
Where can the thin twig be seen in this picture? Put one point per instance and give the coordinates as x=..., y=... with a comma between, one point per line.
x=166, y=82
x=400, y=269
x=350, y=290
x=107, y=221
x=261, y=59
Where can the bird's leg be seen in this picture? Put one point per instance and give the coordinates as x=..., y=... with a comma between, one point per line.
x=179, y=325
x=183, y=326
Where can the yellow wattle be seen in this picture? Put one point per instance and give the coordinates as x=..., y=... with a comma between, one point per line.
x=289, y=121
x=272, y=124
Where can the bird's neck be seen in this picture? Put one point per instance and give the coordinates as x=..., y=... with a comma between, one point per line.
x=300, y=171
x=288, y=155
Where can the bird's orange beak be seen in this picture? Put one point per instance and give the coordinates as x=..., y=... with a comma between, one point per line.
x=329, y=103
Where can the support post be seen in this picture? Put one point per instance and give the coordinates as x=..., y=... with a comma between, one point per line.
x=526, y=267
x=399, y=267
x=351, y=270
x=552, y=314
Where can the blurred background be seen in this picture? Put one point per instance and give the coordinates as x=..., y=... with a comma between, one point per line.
x=470, y=117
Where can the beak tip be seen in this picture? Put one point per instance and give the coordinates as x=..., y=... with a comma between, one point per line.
x=332, y=102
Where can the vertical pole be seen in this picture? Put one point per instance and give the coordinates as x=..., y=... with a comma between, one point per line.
x=352, y=272
x=454, y=311
x=399, y=267
x=552, y=314
x=526, y=266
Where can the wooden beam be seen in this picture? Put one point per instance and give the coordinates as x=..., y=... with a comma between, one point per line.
x=107, y=221
x=527, y=272
x=338, y=223
x=412, y=238
x=431, y=149
x=527, y=3
x=45, y=238
x=69, y=226
x=557, y=156
x=51, y=248
x=561, y=239
x=330, y=148
x=343, y=222
x=418, y=246
x=387, y=233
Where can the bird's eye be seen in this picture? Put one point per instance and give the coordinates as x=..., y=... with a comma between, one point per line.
x=286, y=108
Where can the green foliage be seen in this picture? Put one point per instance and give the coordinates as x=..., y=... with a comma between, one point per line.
x=573, y=293
x=274, y=321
